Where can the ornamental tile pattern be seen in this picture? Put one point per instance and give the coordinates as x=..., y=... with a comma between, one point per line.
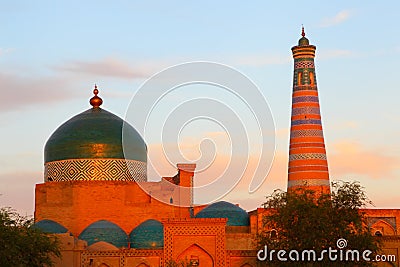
x=307, y=156
x=95, y=169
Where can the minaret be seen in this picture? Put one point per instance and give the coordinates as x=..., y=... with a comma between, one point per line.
x=308, y=166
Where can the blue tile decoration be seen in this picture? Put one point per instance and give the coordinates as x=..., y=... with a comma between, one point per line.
x=148, y=235
x=222, y=209
x=50, y=227
x=105, y=231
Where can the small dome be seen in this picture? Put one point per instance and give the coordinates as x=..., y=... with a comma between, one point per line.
x=101, y=246
x=236, y=216
x=303, y=41
x=104, y=231
x=50, y=227
x=94, y=133
x=149, y=234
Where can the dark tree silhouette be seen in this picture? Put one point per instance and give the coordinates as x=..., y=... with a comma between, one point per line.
x=306, y=220
x=24, y=245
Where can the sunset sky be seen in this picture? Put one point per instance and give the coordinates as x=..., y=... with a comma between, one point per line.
x=51, y=55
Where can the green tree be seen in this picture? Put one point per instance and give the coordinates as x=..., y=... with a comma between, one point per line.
x=307, y=220
x=24, y=245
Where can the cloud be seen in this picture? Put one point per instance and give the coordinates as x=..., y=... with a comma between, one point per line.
x=17, y=190
x=4, y=51
x=277, y=177
x=340, y=17
x=109, y=67
x=351, y=158
x=19, y=91
x=343, y=125
x=335, y=53
x=261, y=60
x=282, y=133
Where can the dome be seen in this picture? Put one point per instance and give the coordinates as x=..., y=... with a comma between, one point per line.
x=104, y=231
x=101, y=246
x=50, y=227
x=303, y=41
x=95, y=145
x=236, y=216
x=149, y=234
x=94, y=133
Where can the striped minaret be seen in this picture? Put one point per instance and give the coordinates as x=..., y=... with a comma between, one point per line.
x=308, y=167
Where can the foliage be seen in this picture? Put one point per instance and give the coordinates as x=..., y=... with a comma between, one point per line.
x=309, y=220
x=23, y=245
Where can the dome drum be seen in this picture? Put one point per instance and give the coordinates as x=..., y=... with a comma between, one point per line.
x=95, y=169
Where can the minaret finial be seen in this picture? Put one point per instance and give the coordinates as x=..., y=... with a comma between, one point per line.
x=302, y=31
x=96, y=101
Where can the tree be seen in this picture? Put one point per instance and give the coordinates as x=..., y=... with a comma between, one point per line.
x=24, y=245
x=305, y=220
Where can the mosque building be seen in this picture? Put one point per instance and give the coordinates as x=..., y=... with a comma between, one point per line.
x=91, y=197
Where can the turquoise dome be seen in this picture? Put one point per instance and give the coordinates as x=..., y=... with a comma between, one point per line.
x=236, y=216
x=95, y=133
x=149, y=234
x=50, y=227
x=104, y=231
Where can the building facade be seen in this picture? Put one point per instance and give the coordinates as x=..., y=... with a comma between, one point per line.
x=93, y=201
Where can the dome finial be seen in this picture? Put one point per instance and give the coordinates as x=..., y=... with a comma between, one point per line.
x=302, y=31
x=96, y=101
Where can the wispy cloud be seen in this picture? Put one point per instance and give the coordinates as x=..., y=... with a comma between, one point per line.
x=340, y=17
x=351, y=158
x=4, y=51
x=335, y=53
x=109, y=67
x=17, y=190
x=17, y=91
x=343, y=125
x=260, y=60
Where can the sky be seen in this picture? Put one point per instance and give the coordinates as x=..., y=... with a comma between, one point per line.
x=53, y=52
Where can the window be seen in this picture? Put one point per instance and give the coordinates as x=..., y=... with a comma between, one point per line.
x=299, y=77
x=312, y=80
x=378, y=233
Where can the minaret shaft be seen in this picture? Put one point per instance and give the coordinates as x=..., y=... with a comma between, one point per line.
x=308, y=166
